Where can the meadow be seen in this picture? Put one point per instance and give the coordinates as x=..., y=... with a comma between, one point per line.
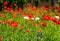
x=30, y=24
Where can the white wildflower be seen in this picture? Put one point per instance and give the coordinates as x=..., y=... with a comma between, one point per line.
x=57, y=17
x=32, y=18
x=37, y=18
x=26, y=17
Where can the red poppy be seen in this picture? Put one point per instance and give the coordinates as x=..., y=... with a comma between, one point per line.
x=1, y=14
x=35, y=24
x=28, y=31
x=6, y=22
x=14, y=24
x=5, y=3
x=1, y=21
x=10, y=9
x=46, y=9
x=14, y=4
x=58, y=22
x=16, y=12
x=1, y=37
x=54, y=19
x=20, y=10
x=47, y=17
x=30, y=16
x=44, y=24
x=34, y=7
x=51, y=7
x=58, y=7
x=28, y=4
x=15, y=16
x=43, y=7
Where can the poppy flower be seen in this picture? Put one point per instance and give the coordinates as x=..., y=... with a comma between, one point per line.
x=43, y=7
x=20, y=10
x=58, y=7
x=30, y=16
x=44, y=24
x=14, y=4
x=34, y=7
x=1, y=21
x=28, y=31
x=29, y=4
x=10, y=9
x=46, y=9
x=6, y=22
x=58, y=22
x=1, y=14
x=15, y=16
x=35, y=24
x=54, y=19
x=14, y=24
x=1, y=37
x=5, y=3
x=16, y=12
x=51, y=7
x=47, y=17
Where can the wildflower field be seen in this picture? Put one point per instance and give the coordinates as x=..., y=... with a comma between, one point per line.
x=30, y=24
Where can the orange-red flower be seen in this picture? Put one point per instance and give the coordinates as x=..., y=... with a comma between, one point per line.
x=10, y=9
x=14, y=24
x=5, y=3
x=28, y=31
x=58, y=22
x=30, y=16
x=35, y=24
x=1, y=14
x=14, y=4
x=15, y=16
x=6, y=22
x=1, y=21
x=51, y=7
x=54, y=19
x=1, y=37
x=34, y=8
x=44, y=24
x=20, y=10
x=47, y=17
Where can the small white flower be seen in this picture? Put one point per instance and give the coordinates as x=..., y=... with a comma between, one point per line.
x=26, y=17
x=32, y=18
x=57, y=17
x=37, y=18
